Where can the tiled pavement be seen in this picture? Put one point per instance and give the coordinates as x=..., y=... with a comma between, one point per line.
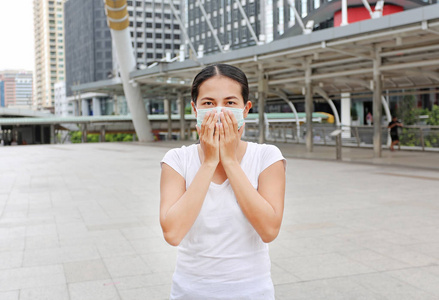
x=81, y=222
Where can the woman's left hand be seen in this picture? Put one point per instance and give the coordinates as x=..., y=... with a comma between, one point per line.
x=230, y=137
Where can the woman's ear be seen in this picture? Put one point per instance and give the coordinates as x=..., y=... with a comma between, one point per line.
x=247, y=108
x=194, y=108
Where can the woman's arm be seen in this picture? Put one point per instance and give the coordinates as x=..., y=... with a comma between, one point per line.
x=179, y=208
x=262, y=207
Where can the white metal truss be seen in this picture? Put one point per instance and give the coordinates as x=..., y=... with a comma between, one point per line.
x=212, y=30
x=247, y=21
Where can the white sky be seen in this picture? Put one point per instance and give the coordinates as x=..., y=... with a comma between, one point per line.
x=16, y=35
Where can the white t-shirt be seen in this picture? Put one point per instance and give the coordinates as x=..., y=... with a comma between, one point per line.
x=222, y=256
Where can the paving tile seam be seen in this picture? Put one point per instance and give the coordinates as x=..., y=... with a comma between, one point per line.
x=356, y=275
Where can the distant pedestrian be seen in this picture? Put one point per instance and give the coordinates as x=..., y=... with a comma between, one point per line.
x=393, y=126
x=369, y=119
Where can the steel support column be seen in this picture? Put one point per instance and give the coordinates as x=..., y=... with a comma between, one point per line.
x=309, y=108
x=84, y=133
x=262, y=95
x=52, y=134
x=182, y=120
x=168, y=112
x=102, y=135
x=377, y=104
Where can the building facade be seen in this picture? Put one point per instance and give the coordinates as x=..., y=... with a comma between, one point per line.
x=63, y=108
x=16, y=90
x=2, y=93
x=49, y=50
x=90, y=55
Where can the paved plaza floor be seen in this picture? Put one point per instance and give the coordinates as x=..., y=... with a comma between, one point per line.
x=81, y=222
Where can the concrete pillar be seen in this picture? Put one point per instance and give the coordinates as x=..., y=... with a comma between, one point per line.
x=309, y=108
x=52, y=134
x=84, y=107
x=96, y=106
x=102, y=135
x=117, y=16
x=346, y=115
x=262, y=94
x=84, y=133
x=181, y=106
x=377, y=105
x=168, y=112
x=344, y=13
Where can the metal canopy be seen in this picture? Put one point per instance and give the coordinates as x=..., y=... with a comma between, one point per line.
x=341, y=59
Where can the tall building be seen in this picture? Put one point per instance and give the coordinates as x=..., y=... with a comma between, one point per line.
x=2, y=93
x=17, y=88
x=63, y=108
x=49, y=50
x=230, y=27
x=90, y=56
x=154, y=30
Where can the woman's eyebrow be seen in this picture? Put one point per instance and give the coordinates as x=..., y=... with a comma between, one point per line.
x=231, y=97
x=207, y=98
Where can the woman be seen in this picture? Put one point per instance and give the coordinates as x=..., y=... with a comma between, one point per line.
x=222, y=200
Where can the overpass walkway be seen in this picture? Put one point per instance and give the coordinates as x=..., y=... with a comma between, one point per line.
x=80, y=221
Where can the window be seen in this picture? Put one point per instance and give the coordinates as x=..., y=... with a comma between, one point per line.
x=138, y=3
x=149, y=15
x=132, y=34
x=167, y=36
x=139, y=24
x=158, y=15
x=159, y=55
x=140, y=55
x=138, y=34
x=149, y=55
x=138, y=13
x=148, y=45
x=149, y=34
x=158, y=35
x=167, y=46
x=158, y=46
x=148, y=25
x=176, y=26
x=139, y=45
x=158, y=25
x=130, y=13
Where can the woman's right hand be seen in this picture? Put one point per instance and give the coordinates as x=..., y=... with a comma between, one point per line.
x=209, y=138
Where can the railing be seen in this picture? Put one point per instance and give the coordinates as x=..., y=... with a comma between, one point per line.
x=425, y=138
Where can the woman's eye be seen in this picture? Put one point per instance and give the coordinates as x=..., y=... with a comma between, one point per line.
x=231, y=103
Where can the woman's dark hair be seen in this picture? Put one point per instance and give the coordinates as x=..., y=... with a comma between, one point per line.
x=222, y=70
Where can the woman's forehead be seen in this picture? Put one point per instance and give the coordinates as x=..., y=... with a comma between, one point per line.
x=220, y=84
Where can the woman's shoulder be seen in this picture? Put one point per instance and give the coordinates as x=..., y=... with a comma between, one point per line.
x=182, y=151
x=262, y=148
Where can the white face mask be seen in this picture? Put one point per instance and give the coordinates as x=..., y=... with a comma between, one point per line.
x=237, y=112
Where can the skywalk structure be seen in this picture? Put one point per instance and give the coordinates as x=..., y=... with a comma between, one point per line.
x=394, y=52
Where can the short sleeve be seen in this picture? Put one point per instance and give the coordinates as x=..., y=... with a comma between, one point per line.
x=270, y=155
x=174, y=159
